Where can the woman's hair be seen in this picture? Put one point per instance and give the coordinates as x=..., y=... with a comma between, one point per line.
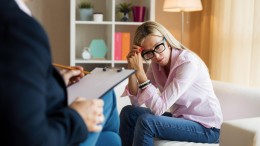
x=154, y=28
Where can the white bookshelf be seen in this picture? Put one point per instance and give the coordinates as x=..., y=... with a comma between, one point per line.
x=83, y=32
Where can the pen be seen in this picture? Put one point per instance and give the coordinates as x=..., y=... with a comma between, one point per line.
x=68, y=67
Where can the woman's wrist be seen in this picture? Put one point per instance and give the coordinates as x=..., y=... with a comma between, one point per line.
x=141, y=76
x=144, y=84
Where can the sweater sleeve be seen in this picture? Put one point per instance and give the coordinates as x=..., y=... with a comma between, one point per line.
x=181, y=81
x=134, y=99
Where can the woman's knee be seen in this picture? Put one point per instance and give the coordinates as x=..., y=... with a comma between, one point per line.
x=144, y=125
x=144, y=120
x=132, y=113
x=126, y=111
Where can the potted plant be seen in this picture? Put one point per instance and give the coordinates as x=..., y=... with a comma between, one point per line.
x=124, y=8
x=85, y=10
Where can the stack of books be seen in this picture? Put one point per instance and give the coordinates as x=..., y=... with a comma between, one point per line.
x=122, y=45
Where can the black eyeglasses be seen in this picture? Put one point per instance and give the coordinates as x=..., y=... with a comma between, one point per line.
x=147, y=55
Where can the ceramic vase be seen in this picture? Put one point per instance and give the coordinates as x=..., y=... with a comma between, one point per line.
x=86, y=14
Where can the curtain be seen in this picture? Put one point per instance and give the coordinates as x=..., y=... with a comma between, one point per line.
x=235, y=41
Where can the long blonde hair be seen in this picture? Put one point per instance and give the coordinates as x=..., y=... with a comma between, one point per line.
x=154, y=28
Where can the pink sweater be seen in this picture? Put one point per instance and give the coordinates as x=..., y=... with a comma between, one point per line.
x=187, y=92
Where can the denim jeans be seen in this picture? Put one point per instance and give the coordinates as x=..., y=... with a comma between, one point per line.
x=110, y=132
x=138, y=126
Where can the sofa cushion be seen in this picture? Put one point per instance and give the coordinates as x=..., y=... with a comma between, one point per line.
x=237, y=101
x=245, y=132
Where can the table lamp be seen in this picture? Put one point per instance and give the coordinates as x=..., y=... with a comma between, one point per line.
x=182, y=6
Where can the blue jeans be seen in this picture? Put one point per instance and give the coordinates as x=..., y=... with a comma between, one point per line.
x=110, y=132
x=138, y=126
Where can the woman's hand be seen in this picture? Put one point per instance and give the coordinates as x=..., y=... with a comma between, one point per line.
x=91, y=111
x=72, y=76
x=135, y=61
x=134, y=58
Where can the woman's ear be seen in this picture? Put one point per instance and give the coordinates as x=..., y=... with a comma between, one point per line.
x=168, y=45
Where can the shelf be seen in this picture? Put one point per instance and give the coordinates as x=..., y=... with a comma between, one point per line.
x=122, y=61
x=108, y=22
x=83, y=32
x=92, y=61
x=128, y=23
x=94, y=22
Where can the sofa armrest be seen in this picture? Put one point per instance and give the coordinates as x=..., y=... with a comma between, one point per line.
x=242, y=132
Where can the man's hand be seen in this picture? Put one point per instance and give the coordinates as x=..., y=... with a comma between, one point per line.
x=91, y=111
x=72, y=76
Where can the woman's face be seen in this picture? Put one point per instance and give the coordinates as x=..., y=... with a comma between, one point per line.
x=156, y=48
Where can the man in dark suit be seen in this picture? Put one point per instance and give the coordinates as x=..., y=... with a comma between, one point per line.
x=33, y=96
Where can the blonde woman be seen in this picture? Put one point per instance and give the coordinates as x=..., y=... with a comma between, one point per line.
x=177, y=81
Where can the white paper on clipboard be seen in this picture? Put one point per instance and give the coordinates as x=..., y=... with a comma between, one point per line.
x=98, y=83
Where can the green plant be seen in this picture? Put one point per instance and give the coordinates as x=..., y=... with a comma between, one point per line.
x=125, y=7
x=85, y=4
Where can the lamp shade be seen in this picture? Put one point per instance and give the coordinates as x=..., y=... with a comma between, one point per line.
x=182, y=5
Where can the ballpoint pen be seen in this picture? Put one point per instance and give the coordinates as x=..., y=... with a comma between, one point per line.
x=68, y=67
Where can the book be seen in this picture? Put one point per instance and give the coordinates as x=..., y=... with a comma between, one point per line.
x=98, y=83
x=125, y=44
x=118, y=46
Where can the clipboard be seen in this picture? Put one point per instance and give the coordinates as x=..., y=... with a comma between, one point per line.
x=97, y=83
